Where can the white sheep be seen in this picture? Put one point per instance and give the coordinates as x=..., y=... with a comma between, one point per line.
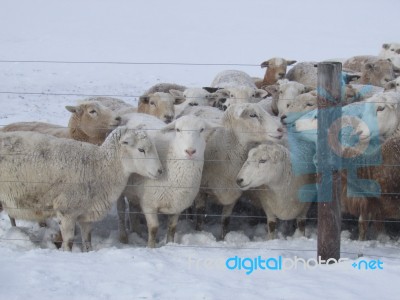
x=287, y=94
x=181, y=147
x=191, y=97
x=391, y=51
x=43, y=176
x=232, y=78
x=226, y=151
x=164, y=87
x=238, y=94
x=269, y=168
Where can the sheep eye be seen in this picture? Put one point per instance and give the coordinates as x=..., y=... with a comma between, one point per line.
x=92, y=112
x=232, y=96
x=380, y=108
x=125, y=143
x=152, y=103
x=193, y=104
x=141, y=150
x=287, y=105
x=262, y=161
x=201, y=130
x=178, y=130
x=253, y=116
x=309, y=104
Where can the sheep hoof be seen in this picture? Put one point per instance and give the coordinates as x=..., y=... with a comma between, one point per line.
x=123, y=239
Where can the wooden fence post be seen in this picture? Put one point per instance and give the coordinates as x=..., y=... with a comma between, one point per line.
x=328, y=163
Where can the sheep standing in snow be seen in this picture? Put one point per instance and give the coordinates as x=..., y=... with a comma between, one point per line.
x=226, y=152
x=269, y=167
x=182, y=155
x=75, y=181
x=276, y=70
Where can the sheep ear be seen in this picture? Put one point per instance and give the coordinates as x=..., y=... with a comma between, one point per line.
x=224, y=92
x=369, y=66
x=274, y=107
x=170, y=127
x=210, y=89
x=386, y=46
x=74, y=109
x=261, y=94
x=291, y=62
x=390, y=85
x=178, y=95
x=265, y=64
x=144, y=99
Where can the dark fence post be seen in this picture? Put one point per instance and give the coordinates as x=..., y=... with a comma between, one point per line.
x=329, y=160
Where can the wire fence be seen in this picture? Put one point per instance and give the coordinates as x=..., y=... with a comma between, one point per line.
x=127, y=95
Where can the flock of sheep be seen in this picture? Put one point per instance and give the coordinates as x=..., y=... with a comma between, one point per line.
x=183, y=147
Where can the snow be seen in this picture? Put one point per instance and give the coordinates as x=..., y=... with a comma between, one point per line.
x=223, y=32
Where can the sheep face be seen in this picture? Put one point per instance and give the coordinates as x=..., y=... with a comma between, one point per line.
x=190, y=136
x=302, y=104
x=390, y=50
x=252, y=124
x=233, y=95
x=378, y=73
x=160, y=105
x=93, y=119
x=138, y=153
x=191, y=96
x=256, y=171
x=288, y=93
x=276, y=69
x=383, y=108
x=393, y=85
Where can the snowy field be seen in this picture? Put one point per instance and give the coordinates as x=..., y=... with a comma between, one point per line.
x=155, y=31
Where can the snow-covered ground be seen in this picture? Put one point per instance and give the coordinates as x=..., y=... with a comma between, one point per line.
x=205, y=32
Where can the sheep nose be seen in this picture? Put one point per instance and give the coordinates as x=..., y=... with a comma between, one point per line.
x=168, y=118
x=280, y=129
x=190, y=151
x=239, y=181
x=160, y=171
x=281, y=75
x=118, y=119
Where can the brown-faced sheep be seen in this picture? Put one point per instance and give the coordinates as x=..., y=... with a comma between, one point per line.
x=160, y=105
x=90, y=122
x=276, y=69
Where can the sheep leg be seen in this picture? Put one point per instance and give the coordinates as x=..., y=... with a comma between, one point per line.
x=271, y=228
x=67, y=227
x=301, y=225
x=200, y=203
x=13, y=223
x=134, y=217
x=86, y=233
x=152, y=227
x=226, y=213
x=172, y=222
x=121, y=205
x=362, y=228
